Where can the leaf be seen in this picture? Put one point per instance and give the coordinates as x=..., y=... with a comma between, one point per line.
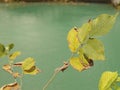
x=16, y=74
x=63, y=68
x=33, y=71
x=7, y=68
x=94, y=49
x=102, y=24
x=28, y=63
x=12, y=86
x=2, y=50
x=83, y=32
x=28, y=67
x=72, y=39
x=118, y=79
x=9, y=47
x=79, y=63
x=14, y=55
x=107, y=79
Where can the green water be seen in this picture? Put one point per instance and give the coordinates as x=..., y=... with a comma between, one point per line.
x=40, y=31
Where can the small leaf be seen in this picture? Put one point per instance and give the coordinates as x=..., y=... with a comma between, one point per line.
x=73, y=40
x=16, y=74
x=63, y=68
x=28, y=63
x=9, y=47
x=33, y=71
x=107, y=79
x=102, y=24
x=12, y=86
x=94, y=49
x=14, y=55
x=2, y=50
x=28, y=66
x=7, y=68
x=83, y=32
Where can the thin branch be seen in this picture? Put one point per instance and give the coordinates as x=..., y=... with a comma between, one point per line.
x=62, y=68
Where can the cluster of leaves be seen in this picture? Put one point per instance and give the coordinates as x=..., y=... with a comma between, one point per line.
x=27, y=66
x=83, y=42
x=109, y=81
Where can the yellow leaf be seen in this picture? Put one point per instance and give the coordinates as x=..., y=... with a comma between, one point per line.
x=94, y=49
x=33, y=71
x=28, y=63
x=14, y=55
x=83, y=32
x=79, y=63
x=73, y=40
x=107, y=79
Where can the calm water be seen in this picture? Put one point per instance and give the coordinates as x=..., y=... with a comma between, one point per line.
x=40, y=30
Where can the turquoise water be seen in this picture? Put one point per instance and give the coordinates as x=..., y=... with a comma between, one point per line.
x=40, y=31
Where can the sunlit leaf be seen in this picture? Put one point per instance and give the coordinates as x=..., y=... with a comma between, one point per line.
x=73, y=39
x=2, y=50
x=14, y=55
x=28, y=67
x=107, y=79
x=94, y=49
x=33, y=71
x=102, y=24
x=83, y=32
x=28, y=63
x=12, y=86
x=79, y=63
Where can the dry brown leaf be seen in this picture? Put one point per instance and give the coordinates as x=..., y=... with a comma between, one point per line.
x=16, y=74
x=63, y=68
x=7, y=68
x=18, y=64
x=12, y=86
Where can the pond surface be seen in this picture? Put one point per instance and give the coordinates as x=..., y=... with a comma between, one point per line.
x=40, y=31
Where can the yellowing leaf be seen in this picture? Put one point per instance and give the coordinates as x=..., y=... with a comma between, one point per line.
x=83, y=32
x=28, y=63
x=28, y=67
x=94, y=49
x=79, y=63
x=12, y=86
x=14, y=55
x=73, y=40
x=33, y=71
x=107, y=79
x=102, y=24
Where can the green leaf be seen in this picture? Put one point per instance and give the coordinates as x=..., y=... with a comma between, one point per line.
x=72, y=39
x=10, y=46
x=107, y=79
x=94, y=49
x=28, y=63
x=102, y=24
x=2, y=50
x=83, y=32
x=14, y=55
